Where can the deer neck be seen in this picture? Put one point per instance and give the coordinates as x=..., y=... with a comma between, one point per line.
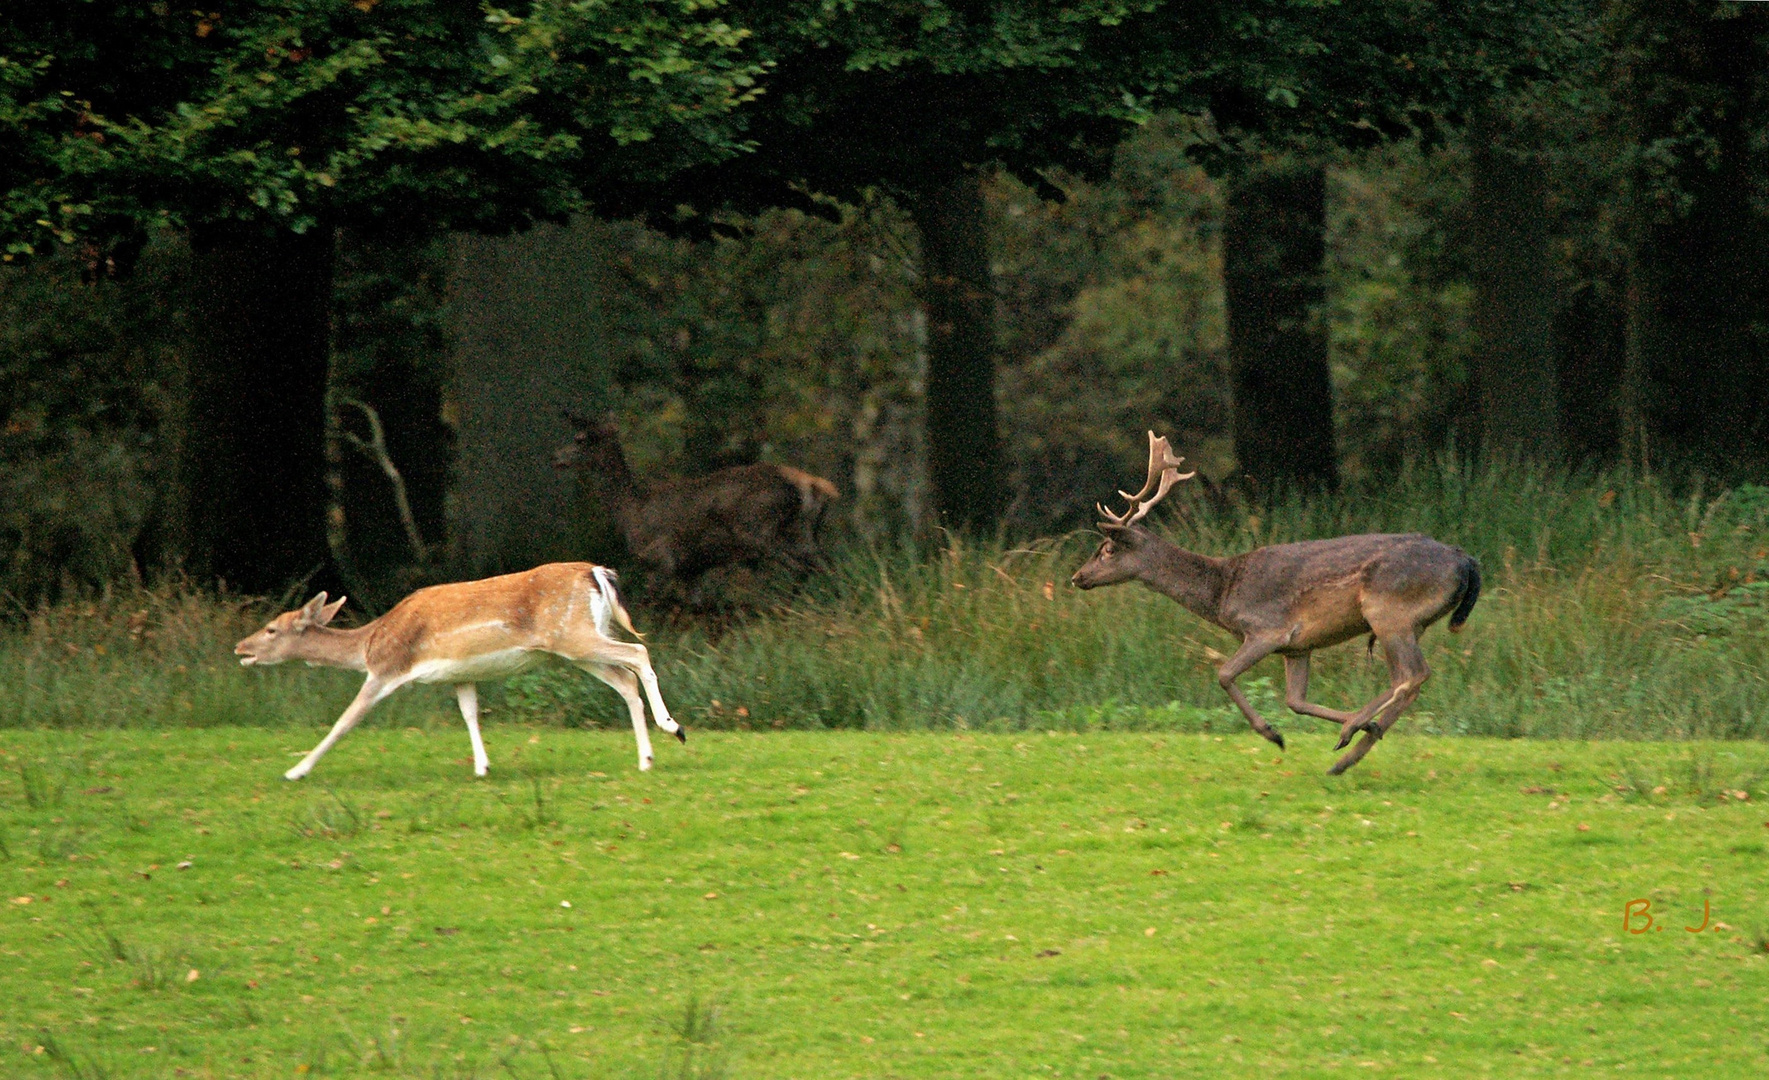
x=1196, y=582
x=330, y=647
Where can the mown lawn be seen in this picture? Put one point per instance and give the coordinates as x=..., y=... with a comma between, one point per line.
x=836, y=904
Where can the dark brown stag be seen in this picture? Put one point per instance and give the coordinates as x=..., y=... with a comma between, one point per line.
x=1292, y=599
x=745, y=514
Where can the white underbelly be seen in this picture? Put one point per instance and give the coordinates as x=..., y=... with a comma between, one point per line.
x=493, y=665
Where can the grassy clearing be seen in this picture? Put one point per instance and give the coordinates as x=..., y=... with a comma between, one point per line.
x=870, y=904
x=1613, y=608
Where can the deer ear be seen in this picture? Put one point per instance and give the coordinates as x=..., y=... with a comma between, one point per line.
x=330, y=611
x=308, y=614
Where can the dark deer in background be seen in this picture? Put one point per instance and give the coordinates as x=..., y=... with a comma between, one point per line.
x=745, y=514
x=1292, y=599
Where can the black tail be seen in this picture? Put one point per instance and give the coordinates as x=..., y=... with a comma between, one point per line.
x=1470, y=593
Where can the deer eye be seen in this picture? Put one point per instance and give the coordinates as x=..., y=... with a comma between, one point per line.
x=270, y=631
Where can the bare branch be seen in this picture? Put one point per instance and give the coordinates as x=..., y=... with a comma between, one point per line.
x=375, y=449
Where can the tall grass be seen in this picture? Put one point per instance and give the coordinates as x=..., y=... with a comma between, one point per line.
x=1613, y=607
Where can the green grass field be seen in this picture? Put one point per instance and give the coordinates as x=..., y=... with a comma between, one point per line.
x=838, y=904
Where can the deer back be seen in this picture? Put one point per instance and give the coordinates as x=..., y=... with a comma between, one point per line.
x=1328, y=587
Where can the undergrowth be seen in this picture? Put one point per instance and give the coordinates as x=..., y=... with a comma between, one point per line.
x=1613, y=607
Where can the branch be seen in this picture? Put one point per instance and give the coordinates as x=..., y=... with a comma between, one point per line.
x=375, y=449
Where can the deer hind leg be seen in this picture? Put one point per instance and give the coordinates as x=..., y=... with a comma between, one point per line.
x=467, y=695
x=593, y=651
x=1251, y=652
x=1407, y=674
x=373, y=690
x=626, y=684
x=637, y=659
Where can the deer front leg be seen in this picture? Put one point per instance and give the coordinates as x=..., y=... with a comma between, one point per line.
x=1251, y=652
x=467, y=694
x=1296, y=692
x=373, y=690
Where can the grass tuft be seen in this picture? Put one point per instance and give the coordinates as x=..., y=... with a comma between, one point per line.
x=331, y=816
x=695, y=1051
x=69, y=1065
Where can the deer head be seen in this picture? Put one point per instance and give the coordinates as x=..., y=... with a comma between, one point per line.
x=1121, y=555
x=281, y=638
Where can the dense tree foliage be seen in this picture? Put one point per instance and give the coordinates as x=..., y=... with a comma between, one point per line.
x=917, y=99
x=264, y=126
x=120, y=115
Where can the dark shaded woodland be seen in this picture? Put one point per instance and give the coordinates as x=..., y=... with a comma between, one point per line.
x=970, y=331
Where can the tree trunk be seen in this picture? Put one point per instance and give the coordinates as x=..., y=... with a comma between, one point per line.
x=254, y=467
x=1274, y=243
x=1514, y=364
x=1590, y=349
x=1706, y=374
x=1700, y=309
x=963, y=448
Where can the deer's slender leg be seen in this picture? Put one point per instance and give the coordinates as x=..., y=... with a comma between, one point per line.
x=637, y=659
x=373, y=690
x=1407, y=673
x=632, y=657
x=467, y=695
x=626, y=684
x=1251, y=652
x=1296, y=692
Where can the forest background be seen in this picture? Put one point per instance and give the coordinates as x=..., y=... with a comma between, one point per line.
x=1571, y=266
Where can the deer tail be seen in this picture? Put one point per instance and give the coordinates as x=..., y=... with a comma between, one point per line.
x=1470, y=592
x=612, y=607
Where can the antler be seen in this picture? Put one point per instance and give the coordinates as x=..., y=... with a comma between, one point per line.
x=1163, y=474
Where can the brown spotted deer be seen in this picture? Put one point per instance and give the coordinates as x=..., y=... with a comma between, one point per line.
x=1292, y=599
x=748, y=514
x=470, y=631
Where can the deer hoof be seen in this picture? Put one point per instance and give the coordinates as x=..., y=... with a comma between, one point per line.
x=682, y=735
x=1344, y=739
x=1374, y=727
x=1275, y=736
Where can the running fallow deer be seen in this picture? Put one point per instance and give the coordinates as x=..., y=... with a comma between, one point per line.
x=466, y=632
x=1292, y=599
x=749, y=514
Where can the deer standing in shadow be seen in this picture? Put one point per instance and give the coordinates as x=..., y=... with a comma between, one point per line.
x=1292, y=599
x=752, y=515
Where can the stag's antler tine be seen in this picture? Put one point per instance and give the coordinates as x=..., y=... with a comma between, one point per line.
x=1111, y=518
x=1158, y=455
x=1168, y=478
x=1163, y=474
